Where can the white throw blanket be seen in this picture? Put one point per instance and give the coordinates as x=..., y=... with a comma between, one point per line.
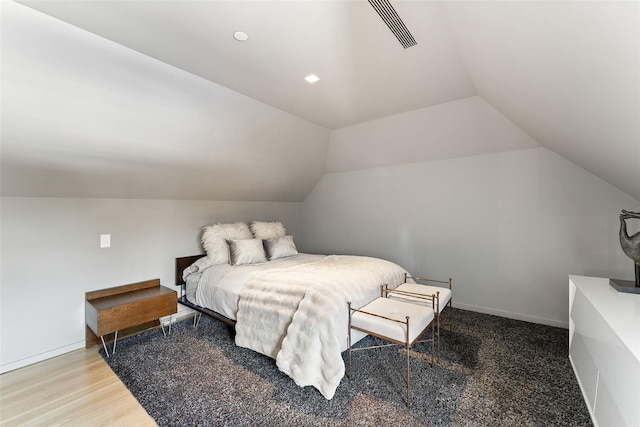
x=298, y=315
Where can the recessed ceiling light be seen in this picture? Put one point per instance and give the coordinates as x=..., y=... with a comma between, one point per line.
x=312, y=78
x=240, y=36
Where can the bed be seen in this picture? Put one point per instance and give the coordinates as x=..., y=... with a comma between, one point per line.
x=291, y=308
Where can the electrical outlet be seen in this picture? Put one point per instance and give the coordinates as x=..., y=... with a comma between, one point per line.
x=105, y=240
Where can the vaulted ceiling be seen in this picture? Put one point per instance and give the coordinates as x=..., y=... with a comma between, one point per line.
x=364, y=71
x=566, y=73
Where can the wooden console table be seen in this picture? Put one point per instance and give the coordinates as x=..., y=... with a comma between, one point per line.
x=130, y=307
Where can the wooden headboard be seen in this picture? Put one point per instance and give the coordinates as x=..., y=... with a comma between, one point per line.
x=182, y=263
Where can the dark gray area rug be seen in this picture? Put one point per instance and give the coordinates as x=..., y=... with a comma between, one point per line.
x=493, y=372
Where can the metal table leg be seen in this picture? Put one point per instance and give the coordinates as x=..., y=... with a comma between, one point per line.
x=115, y=341
x=162, y=325
x=196, y=319
x=104, y=345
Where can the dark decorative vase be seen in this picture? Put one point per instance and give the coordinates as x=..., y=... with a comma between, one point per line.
x=631, y=247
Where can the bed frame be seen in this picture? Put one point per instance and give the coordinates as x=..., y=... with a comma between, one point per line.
x=181, y=264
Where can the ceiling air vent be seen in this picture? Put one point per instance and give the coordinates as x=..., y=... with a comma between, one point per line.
x=393, y=21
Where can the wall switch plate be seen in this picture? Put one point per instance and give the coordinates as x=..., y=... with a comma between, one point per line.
x=105, y=240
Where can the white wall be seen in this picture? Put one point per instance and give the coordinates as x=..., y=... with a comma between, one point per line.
x=508, y=227
x=51, y=256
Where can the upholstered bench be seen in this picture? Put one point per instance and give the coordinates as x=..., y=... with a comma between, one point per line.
x=415, y=293
x=398, y=322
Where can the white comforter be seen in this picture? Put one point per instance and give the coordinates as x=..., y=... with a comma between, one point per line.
x=298, y=314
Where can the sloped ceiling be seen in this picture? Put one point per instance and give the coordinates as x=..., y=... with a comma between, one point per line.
x=566, y=73
x=364, y=72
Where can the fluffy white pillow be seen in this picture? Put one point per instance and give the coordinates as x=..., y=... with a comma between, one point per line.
x=280, y=247
x=246, y=251
x=214, y=239
x=267, y=230
x=200, y=265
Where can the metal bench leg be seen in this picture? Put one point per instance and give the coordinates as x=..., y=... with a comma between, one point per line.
x=349, y=339
x=438, y=333
x=406, y=348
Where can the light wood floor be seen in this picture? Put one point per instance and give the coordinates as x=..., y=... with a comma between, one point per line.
x=77, y=388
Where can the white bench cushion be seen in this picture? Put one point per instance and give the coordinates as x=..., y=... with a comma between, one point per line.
x=419, y=318
x=445, y=294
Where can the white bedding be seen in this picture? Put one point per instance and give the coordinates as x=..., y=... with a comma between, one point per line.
x=295, y=310
x=219, y=286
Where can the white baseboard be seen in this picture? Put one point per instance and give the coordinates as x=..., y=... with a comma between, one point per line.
x=510, y=315
x=6, y=367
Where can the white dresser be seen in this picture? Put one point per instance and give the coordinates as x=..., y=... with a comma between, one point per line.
x=604, y=349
